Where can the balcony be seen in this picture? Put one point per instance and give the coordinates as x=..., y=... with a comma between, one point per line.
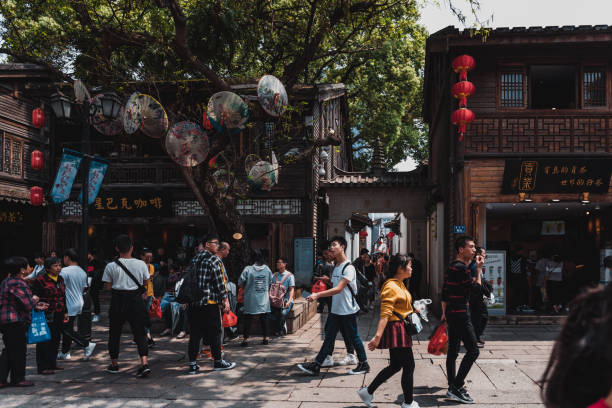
x=533, y=133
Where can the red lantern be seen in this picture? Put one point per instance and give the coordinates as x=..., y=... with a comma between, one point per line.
x=38, y=118
x=37, y=160
x=461, y=117
x=462, y=65
x=206, y=122
x=363, y=233
x=36, y=196
x=463, y=90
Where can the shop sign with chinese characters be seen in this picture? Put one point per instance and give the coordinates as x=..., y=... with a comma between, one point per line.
x=131, y=204
x=11, y=217
x=557, y=176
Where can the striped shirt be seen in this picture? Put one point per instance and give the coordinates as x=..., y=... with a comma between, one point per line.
x=456, y=287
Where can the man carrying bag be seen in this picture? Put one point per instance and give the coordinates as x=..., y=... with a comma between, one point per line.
x=127, y=278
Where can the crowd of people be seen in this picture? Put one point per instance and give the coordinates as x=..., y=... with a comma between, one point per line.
x=577, y=375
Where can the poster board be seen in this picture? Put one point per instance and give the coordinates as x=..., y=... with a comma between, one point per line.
x=494, y=270
x=303, y=261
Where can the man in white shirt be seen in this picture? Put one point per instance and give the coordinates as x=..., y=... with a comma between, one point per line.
x=127, y=303
x=39, y=268
x=75, y=279
x=343, y=311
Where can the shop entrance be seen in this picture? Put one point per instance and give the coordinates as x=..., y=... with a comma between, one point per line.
x=541, y=255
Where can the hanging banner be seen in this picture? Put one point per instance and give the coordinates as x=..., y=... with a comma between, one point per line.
x=494, y=270
x=66, y=174
x=97, y=171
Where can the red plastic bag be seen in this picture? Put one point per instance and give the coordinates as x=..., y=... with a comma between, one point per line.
x=240, y=297
x=229, y=319
x=438, y=343
x=155, y=309
x=319, y=286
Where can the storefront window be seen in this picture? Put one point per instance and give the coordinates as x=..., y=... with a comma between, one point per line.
x=594, y=87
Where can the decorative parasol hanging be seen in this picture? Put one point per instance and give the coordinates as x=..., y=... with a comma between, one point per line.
x=275, y=166
x=81, y=94
x=272, y=95
x=262, y=176
x=227, y=109
x=187, y=144
x=250, y=161
x=132, y=119
x=104, y=125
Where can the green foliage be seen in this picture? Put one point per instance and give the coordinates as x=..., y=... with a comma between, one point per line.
x=375, y=47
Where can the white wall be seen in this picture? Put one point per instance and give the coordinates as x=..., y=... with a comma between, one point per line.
x=405, y=235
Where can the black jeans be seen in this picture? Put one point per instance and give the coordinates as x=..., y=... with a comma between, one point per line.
x=69, y=335
x=205, y=322
x=13, y=357
x=479, y=315
x=46, y=353
x=460, y=329
x=84, y=319
x=127, y=306
x=401, y=358
x=347, y=341
x=333, y=325
x=248, y=320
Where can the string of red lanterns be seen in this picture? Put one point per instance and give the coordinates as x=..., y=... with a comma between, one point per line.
x=37, y=158
x=463, y=90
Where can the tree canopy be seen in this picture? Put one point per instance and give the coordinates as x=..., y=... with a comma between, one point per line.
x=375, y=47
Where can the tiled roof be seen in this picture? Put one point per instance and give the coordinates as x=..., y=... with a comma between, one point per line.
x=415, y=178
x=569, y=29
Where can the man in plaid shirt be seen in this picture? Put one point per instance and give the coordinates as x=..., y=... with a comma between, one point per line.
x=16, y=304
x=205, y=316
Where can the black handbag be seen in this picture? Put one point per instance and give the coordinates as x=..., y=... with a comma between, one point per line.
x=411, y=328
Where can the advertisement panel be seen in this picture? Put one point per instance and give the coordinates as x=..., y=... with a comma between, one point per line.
x=494, y=270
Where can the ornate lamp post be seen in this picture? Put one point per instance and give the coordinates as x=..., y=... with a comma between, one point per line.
x=109, y=106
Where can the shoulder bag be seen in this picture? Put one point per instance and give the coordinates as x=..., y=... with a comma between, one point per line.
x=141, y=289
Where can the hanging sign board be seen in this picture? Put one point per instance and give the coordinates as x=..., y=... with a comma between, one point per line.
x=494, y=270
x=557, y=176
x=132, y=204
x=303, y=260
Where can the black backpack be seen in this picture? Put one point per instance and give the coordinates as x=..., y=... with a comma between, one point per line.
x=189, y=290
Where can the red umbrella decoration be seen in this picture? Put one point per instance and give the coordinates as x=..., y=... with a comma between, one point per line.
x=38, y=118
x=462, y=65
x=463, y=90
x=461, y=117
x=36, y=196
x=37, y=160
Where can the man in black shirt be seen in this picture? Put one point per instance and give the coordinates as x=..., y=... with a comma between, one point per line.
x=456, y=290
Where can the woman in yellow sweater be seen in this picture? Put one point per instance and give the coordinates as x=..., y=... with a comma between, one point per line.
x=391, y=333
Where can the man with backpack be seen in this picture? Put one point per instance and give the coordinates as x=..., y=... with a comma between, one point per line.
x=205, y=313
x=127, y=278
x=281, y=296
x=343, y=311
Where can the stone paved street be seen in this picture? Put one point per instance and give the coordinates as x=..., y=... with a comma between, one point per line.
x=504, y=376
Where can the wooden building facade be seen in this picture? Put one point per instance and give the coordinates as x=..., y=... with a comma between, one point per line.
x=21, y=224
x=539, y=152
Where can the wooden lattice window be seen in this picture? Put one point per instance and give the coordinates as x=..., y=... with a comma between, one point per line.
x=594, y=82
x=12, y=152
x=512, y=89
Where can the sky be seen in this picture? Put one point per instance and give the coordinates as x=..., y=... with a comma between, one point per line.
x=515, y=13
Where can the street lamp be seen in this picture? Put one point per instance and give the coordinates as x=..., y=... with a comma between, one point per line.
x=109, y=106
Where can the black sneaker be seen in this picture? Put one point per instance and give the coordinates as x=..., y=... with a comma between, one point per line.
x=362, y=367
x=223, y=365
x=193, y=369
x=113, y=369
x=456, y=394
x=143, y=371
x=466, y=395
x=310, y=368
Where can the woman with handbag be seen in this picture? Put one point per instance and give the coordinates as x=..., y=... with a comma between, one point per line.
x=16, y=304
x=394, y=332
x=51, y=289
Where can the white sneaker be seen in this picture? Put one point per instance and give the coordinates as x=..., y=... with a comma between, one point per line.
x=366, y=397
x=62, y=356
x=89, y=350
x=413, y=405
x=328, y=362
x=350, y=359
x=95, y=318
